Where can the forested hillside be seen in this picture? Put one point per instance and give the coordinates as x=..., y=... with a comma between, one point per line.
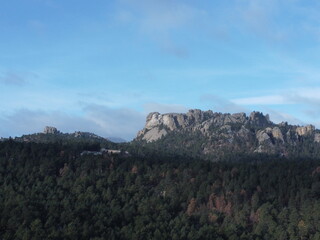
x=49, y=191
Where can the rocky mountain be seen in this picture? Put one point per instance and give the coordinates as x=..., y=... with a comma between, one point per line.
x=52, y=134
x=209, y=133
x=116, y=139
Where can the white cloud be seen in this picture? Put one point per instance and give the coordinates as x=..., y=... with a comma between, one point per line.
x=304, y=102
x=262, y=100
x=219, y=104
x=280, y=23
x=164, y=108
x=159, y=20
x=16, y=78
x=120, y=122
x=307, y=96
x=260, y=17
x=284, y=24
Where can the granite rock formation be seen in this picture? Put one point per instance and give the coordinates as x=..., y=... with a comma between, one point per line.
x=237, y=132
x=50, y=130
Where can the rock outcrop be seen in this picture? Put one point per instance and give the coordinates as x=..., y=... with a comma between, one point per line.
x=253, y=133
x=259, y=120
x=153, y=134
x=50, y=130
x=52, y=134
x=277, y=134
x=197, y=120
x=306, y=130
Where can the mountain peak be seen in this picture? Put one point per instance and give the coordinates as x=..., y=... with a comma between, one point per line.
x=260, y=120
x=217, y=131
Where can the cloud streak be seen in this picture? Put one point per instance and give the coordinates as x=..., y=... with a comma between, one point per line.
x=164, y=108
x=308, y=96
x=13, y=78
x=263, y=100
x=160, y=20
x=305, y=102
x=121, y=122
x=277, y=117
x=219, y=104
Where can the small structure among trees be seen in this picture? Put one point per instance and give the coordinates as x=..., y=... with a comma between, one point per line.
x=105, y=151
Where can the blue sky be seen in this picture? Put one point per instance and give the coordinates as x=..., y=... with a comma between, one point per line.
x=102, y=66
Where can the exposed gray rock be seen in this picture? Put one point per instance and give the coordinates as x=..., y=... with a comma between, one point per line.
x=197, y=120
x=283, y=124
x=197, y=116
x=79, y=134
x=226, y=129
x=50, y=130
x=317, y=137
x=259, y=149
x=239, y=117
x=306, y=130
x=289, y=136
x=154, y=134
x=205, y=127
x=182, y=120
x=175, y=121
x=259, y=120
x=253, y=133
x=277, y=134
x=153, y=119
x=244, y=133
x=263, y=137
x=265, y=141
x=170, y=121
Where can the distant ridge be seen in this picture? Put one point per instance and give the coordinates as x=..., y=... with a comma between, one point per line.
x=116, y=139
x=52, y=134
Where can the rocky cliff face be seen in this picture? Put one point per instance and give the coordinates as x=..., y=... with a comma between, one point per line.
x=50, y=130
x=253, y=133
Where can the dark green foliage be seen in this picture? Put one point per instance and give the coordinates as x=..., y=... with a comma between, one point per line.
x=48, y=191
x=86, y=140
